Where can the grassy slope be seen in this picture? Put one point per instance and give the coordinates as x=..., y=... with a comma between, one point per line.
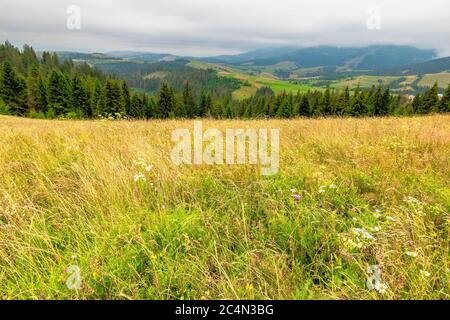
x=428, y=80
x=67, y=196
x=263, y=78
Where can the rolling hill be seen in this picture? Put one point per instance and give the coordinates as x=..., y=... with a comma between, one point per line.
x=376, y=57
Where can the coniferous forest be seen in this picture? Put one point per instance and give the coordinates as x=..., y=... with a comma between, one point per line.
x=42, y=86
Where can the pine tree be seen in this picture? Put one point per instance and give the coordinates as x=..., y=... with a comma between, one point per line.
x=150, y=107
x=325, y=103
x=136, y=107
x=42, y=103
x=228, y=111
x=33, y=88
x=343, y=102
x=202, y=105
x=125, y=98
x=58, y=92
x=430, y=102
x=378, y=105
x=12, y=90
x=444, y=105
x=416, y=103
x=285, y=110
x=188, y=102
x=303, y=109
x=358, y=104
x=385, y=102
x=29, y=56
x=166, y=101
x=111, y=104
x=79, y=98
x=96, y=99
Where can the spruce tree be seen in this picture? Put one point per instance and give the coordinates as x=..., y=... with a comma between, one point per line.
x=125, y=98
x=58, y=92
x=430, y=102
x=303, y=109
x=33, y=88
x=111, y=104
x=96, y=99
x=285, y=110
x=343, y=102
x=12, y=90
x=188, y=102
x=378, y=102
x=42, y=103
x=79, y=98
x=444, y=105
x=166, y=101
x=136, y=107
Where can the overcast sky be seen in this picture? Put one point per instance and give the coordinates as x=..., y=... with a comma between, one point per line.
x=208, y=27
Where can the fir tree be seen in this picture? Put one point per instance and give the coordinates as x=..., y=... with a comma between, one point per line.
x=111, y=98
x=12, y=90
x=125, y=98
x=79, y=98
x=33, y=81
x=303, y=109
x=430, y=102
x=188, y=109
x=166, y=101
x=57, y=92
x=444, y=105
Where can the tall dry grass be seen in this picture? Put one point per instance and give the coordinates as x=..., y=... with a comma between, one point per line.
x=68, y=197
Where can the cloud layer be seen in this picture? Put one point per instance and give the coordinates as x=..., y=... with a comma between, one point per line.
x=207, y=27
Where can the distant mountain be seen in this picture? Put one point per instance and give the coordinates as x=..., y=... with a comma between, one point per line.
x=377, y=57
x=142, y=56
x=63, y=55
x=432, y=66
x=260, y=54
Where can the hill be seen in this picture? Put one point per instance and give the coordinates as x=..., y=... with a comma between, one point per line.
x=365, y=58
x=432, y=66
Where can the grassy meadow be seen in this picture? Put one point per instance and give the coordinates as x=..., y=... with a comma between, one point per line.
x=350, y=193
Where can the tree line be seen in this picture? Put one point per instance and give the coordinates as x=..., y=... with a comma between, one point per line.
x=44, y=87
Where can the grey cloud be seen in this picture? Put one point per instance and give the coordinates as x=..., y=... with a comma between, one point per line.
x=204, y=27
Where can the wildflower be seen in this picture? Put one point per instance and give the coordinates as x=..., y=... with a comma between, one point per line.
x=425, y=273
x=375, y=229
x=297, y=197
x=333, y=186
x=363, y=233
x=322, y=189
x=139, y=177
x=377, y=215
x=412, y=254
x=381, y=287
x=149, y=168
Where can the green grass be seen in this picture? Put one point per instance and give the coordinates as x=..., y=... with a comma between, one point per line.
x=68, y=197
x=428, y=80
x=263, y=78
x=364, y=82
